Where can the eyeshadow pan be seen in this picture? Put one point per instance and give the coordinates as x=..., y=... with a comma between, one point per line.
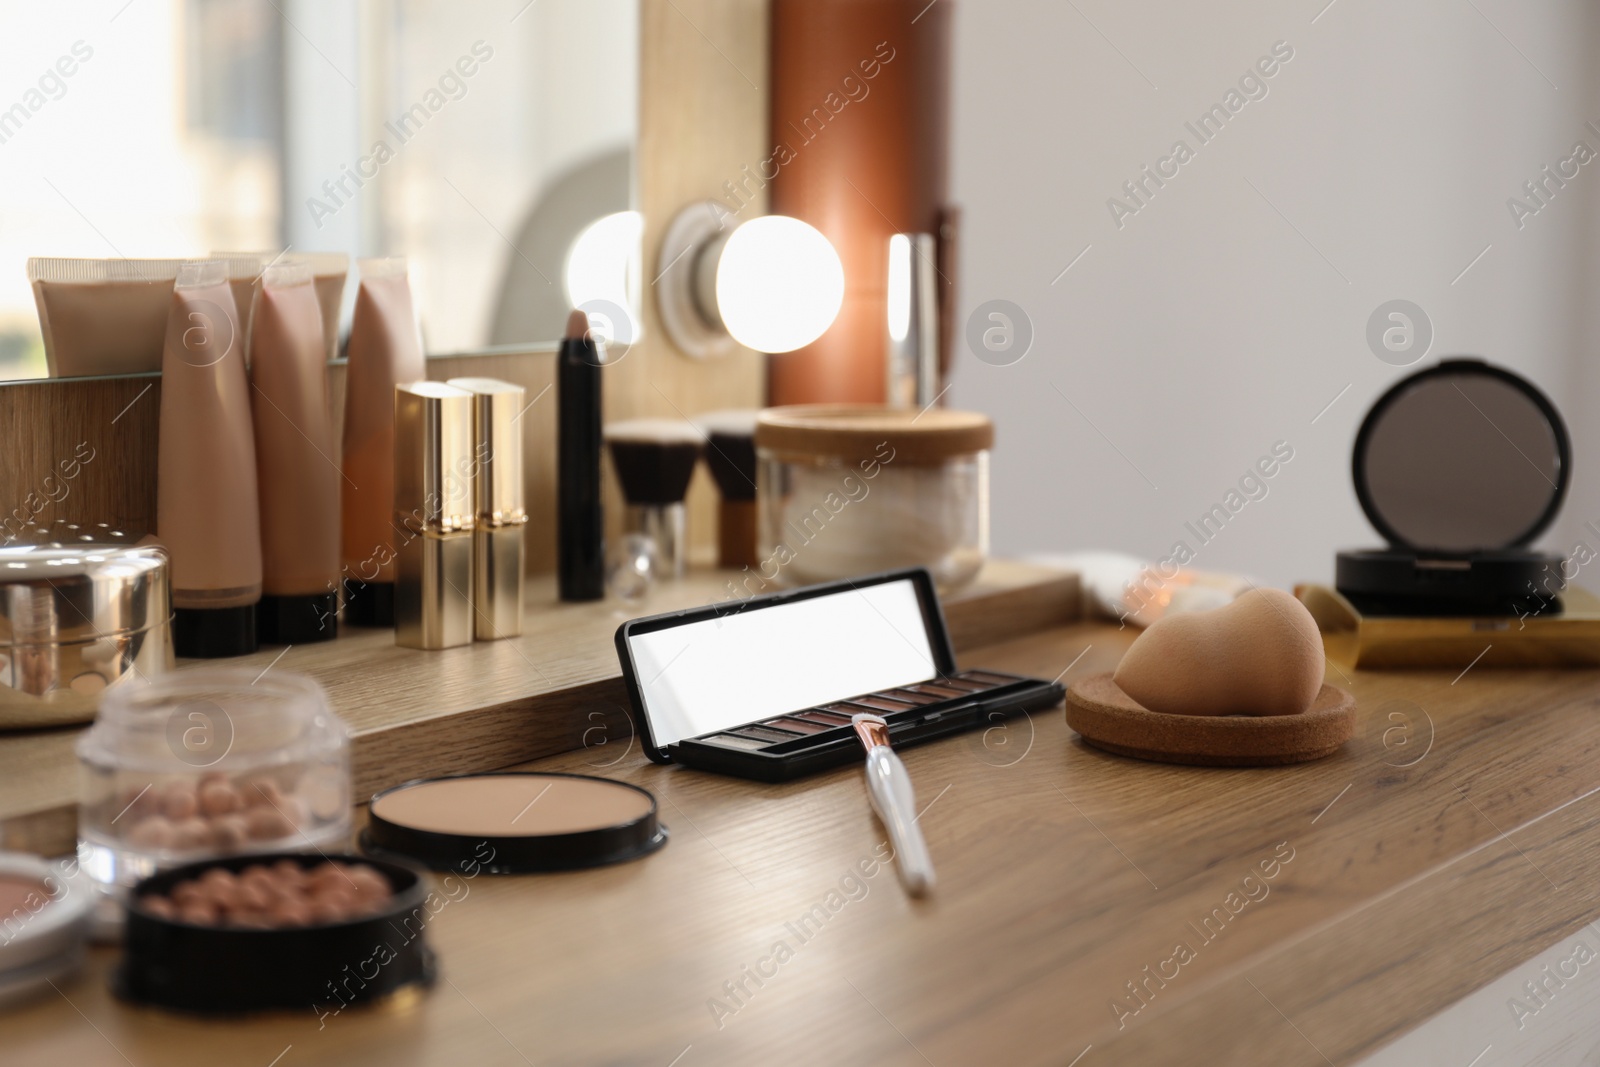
x=749, y=744
x=881, y=703
x=827, y=718
x=910, y=696
x=799, y=725
x=765, y=733
x=966, y=685
x=941, y=691
x=988, y=676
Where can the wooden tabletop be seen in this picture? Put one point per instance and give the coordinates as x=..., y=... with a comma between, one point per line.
x=1323, y=909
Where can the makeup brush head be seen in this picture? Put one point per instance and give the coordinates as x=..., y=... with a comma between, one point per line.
x=654, y=458
x=731, y=451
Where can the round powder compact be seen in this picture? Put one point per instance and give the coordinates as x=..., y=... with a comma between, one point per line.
x=517, y=823
x=44, y=923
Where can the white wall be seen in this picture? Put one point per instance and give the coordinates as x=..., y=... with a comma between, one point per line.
x=1210, y=326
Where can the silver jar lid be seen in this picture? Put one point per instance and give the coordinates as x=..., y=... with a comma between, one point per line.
x=82, y=609
x=68, y=583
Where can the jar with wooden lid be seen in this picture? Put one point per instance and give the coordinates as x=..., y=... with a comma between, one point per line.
x=846, y=490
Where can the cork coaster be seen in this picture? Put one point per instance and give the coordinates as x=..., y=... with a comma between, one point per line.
x=1108, y=718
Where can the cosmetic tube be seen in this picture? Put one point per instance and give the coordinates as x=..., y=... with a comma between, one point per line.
x=297, y=474
x=385, y=350
x=500, y=519
x=207, y=511
x=103, y=316
x=244, y=278
x=433, y=517
x=328, y=272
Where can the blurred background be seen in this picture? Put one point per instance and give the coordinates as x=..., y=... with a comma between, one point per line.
x=253, y=125
x=1231, y=310
x=1158, y=342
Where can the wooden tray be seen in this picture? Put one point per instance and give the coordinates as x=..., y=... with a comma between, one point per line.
x=1109, y=719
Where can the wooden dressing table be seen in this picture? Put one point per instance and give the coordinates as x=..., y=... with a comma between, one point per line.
x=1457, y=835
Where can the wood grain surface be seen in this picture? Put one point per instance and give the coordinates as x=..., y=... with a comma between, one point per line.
x=1327, y=907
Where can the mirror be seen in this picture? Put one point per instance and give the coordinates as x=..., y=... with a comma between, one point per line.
x=1461, y=458
x=765, y=660
x=489, y=143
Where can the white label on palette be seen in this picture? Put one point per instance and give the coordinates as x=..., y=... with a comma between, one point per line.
x=756, y=664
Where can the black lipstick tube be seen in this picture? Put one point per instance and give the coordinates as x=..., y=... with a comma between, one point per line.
x=580, y=538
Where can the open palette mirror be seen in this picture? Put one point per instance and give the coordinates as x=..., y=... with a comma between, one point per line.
x=765, y=687
x=491, y=145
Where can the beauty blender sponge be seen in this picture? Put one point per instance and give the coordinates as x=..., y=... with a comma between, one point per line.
x=1261, y=654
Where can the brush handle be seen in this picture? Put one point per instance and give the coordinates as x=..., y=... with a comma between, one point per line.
x=889, y=785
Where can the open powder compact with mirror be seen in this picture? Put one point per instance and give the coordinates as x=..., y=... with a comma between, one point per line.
x=765, y=687
x=1460, y=467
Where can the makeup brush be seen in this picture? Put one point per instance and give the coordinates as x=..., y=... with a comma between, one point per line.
x=580, y=540
x=654, y=460
x=889, y=786
x=731, y=456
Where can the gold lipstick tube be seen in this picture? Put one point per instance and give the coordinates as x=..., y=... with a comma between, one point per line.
x=433, y=518
x=500, y=517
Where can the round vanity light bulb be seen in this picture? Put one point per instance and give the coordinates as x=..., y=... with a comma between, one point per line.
x=779, y=284
x=602, y=273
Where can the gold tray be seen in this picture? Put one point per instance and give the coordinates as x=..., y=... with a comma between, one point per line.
x=1570, y=639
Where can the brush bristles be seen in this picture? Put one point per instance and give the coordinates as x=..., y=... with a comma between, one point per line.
x=654, y=459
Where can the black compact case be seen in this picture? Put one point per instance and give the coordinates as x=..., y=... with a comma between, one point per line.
x=922, y=696
x=1459, y=466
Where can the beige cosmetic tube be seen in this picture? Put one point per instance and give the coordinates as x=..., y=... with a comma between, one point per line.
x=385, y=350
x=207, y=512
x=296, y=465
x=102, y=316
x=328, y=272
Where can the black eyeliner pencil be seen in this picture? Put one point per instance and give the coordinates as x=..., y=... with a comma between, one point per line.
x=580, y=536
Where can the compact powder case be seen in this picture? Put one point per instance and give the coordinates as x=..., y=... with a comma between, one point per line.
x=514, y=823
x=229, y=970
x=764, y=687
x=1460, y=467
x=45, y=913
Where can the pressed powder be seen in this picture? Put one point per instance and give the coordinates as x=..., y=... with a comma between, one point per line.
x=44, y=921
x=20, y=894
x=512, y=823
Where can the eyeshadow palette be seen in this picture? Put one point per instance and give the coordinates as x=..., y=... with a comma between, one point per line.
x=764, y=688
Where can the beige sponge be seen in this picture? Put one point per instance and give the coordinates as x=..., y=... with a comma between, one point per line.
x=1261, y=654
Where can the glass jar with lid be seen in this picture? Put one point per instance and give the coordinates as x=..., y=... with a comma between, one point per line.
x=207, y=762
x=845, y=490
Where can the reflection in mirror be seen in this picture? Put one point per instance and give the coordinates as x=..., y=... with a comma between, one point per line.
x=1462, y=462
x=479, y=141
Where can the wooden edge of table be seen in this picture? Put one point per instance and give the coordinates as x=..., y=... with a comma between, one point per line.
x=535, y=718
